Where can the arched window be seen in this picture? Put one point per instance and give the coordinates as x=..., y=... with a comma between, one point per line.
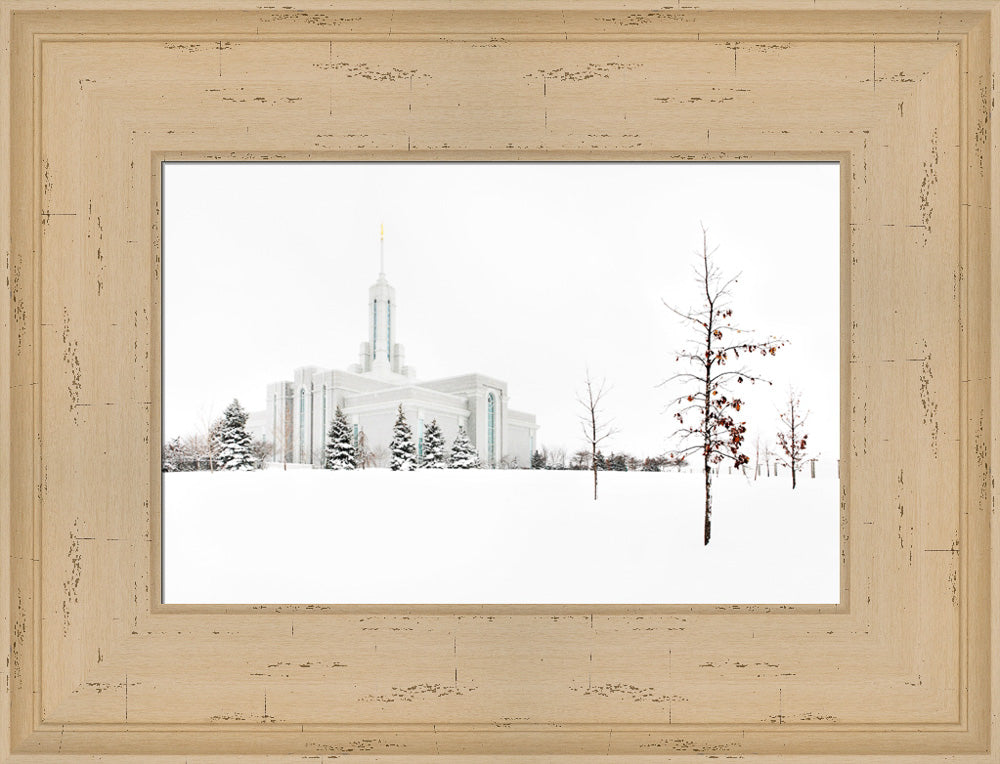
x=374, y=326
x=491, y=417
x=324, y=411
x=388, y=330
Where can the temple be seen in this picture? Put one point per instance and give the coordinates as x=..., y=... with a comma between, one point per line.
x=299, y=410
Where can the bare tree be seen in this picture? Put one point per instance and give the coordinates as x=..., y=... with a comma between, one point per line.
x=379, y=456
x=581, y=460
x=261, y=449
x=557, y=458
x=205, y=442
x=596, y=429
x=707, y=413
x=363, y=456
x=792, y=436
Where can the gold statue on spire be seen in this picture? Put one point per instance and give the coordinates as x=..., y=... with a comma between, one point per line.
x=381, y=250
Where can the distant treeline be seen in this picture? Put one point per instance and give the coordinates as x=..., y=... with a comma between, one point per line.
x=555, y=459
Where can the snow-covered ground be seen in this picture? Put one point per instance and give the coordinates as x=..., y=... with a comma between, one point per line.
x=482, y=536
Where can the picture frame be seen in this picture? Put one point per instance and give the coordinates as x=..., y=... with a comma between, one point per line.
x=901, y=93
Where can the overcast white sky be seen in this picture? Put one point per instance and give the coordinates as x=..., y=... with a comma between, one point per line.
x=528, y=272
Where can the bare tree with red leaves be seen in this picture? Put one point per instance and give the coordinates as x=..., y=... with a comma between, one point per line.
x=707, y=414
x=792, y=437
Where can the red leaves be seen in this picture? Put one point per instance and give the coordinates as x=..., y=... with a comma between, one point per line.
x=714, y=432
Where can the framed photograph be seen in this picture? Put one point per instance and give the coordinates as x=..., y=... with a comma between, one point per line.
x=507, y=381
x=513, y=284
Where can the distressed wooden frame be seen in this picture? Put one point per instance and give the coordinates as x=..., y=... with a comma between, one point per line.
x=902, y=92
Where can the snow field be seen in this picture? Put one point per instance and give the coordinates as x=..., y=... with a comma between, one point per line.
x=496, y=536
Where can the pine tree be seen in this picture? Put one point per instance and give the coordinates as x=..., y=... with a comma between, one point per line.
x=234, y=444
x=617, y=463
x=433, y=448
x=600, y=463
x=340, y=453
x=404, y=455
x=172, y=455
x=537, y=460
x=463, y=455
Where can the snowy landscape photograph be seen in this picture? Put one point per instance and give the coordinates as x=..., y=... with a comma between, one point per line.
x=484, y=383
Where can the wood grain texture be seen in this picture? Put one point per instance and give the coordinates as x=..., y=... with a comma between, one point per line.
x=902, y=93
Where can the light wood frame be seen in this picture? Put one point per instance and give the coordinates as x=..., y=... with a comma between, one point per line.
x=903, y=93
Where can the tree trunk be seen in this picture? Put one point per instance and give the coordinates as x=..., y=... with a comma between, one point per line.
x=793, y=475
x=708, y=502
x=595, y=479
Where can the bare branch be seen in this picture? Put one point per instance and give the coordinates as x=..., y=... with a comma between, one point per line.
x=708, y=409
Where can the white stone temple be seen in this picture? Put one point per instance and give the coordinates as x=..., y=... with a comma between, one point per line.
x=299, y=411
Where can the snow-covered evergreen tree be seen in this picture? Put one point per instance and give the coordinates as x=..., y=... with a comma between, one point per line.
x=404, y=454
x=434, y=458
x=235, y=450
x=173, y=451
x=340, y=454
x=463, y=455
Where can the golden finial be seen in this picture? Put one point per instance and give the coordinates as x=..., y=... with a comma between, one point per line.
x=381, y=230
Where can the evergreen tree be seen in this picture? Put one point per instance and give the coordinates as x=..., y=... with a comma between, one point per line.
x=600, y=463
x=463, y=455
x=617, y=463
x=404, y=455
x=340, y=453
x=172, y=455
x=234, y=444
x=537, y=460
x=433, y=448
